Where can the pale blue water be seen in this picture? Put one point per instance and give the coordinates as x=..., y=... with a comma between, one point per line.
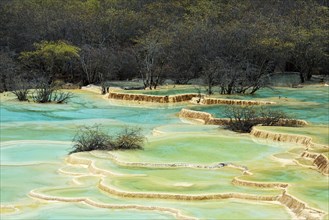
x=317, y=112
x=319, y=94
x=36, y=138
x=32, y=121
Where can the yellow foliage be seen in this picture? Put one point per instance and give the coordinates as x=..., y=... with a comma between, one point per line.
x=52, y=50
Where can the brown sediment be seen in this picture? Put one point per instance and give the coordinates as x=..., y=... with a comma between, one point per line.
x=283, y=137
x=182, y=98
x=212, y=101
x=240, y=182
x=207, y=118
x=299, y=208
x=322, y=164
x=309, y=155
x=188, y=197
x=152, y=98
x=174, y=212
x=196, y=115
x=291, y=123
x=320, y=161
x=298, y=139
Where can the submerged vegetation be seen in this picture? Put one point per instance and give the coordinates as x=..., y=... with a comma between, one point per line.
x=89, y=138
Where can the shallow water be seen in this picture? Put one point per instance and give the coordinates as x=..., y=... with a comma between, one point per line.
x=36, y=139
x=297, y=111
x=310, y=104
x=79, y=211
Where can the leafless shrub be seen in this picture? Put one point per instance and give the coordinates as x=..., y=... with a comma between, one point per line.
x=62, y=97
x=90, y=138
x=43, y=93
x=243, y=118
x=46, y=92
x=130, y=138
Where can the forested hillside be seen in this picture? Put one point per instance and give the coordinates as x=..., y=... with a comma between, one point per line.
x=232, y=44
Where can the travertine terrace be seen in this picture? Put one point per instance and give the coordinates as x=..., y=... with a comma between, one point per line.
x=191, y=166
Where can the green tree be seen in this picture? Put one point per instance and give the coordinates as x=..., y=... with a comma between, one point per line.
x=54, y=58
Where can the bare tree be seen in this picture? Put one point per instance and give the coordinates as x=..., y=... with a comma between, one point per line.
x=211, y=74
x=151, y=58
x=243, y=118
x=89, y=59
x=99, y=65
x=97, y=62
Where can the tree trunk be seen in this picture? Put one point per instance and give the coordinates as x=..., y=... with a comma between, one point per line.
x=103, y=90
x=254, y=90
x=4, y=83
x=302, y=78
x=309, y=74
x=209, y=88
